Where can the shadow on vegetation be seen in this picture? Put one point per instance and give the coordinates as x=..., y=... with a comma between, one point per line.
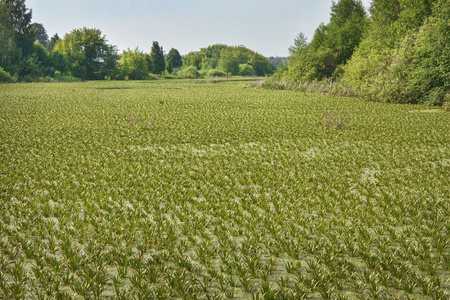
x=224, y=80
x=114, y=88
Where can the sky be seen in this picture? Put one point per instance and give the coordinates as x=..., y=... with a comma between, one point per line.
x=268, y=27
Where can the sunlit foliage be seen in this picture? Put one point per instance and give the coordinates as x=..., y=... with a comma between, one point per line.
x=214, y=190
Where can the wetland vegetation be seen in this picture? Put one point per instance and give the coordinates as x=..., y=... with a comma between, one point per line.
x=179, y=189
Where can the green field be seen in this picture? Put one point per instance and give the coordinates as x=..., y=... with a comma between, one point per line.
x=203, y=189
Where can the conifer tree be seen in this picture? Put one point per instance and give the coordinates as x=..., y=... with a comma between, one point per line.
x=158, y=64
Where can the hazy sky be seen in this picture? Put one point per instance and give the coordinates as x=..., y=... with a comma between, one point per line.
x=266, y=26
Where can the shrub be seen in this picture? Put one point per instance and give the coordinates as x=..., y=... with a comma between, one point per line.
x=246, y=70
x=324, y=87
x=190, y=73
x=5, y=76
x=446, y=102
x=216, y=73
x=64, y=78
x=151, y=76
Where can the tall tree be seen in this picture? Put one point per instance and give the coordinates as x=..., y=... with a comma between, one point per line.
x=40, y=33
x=52, y=42
x=157, y=59
x=332, y=45
x=347, y=25
x=10, y=54
x=174, y=58
x=300, y=44
x=88, y=53
x=20, y=18
x=228, y=62
x=133, y=65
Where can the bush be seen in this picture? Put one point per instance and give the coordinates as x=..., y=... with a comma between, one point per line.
x=5, y=76
x=446, y=102
x=216, y=73
x=64, y=78
x=203, y=72
x=190, y=72
x=246, y=70
x=167, y=76
x=324, y=87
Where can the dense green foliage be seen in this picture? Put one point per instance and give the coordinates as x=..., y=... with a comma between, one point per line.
x=88, y=53
x=38, y=64
x=40, y=33
x=84, y=53
x=5, y=76
x=400, y=54
x=20, y=57
x=188, y=189
x=332, y=45
x=156, y=59
x=228, y=59
x=406, y=56
x=189, y=72
x=16, y=36
x=133, y=65
x=20, y=20
x=52, y=42
x=174, y=58
x=246, y=70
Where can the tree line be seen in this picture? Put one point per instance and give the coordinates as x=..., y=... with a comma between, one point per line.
x=398, y=52
x=230, y=60
x=27, y=53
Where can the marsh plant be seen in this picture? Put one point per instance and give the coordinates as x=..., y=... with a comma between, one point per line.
x=220, y=193
x=336, y=120
x=325, y=87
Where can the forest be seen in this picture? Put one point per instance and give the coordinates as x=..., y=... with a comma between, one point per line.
x=397, y=51
x=27, y=54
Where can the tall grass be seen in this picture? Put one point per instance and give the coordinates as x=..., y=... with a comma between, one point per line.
x=329, y=87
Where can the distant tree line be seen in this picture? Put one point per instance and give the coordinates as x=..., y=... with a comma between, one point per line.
x=399, y=53
x=27, y=53
x=229, y=60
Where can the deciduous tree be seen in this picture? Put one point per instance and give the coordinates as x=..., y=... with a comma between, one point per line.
x=40, y=33
x=10, y=54
x=332, y=45
x=228, y=62
x=133, y=65
x=88, y=53
x=228, y=59
x=52, y=42
x=174, y=58
x=20, y=19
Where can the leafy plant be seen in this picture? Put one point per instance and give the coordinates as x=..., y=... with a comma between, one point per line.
x=252, y=197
